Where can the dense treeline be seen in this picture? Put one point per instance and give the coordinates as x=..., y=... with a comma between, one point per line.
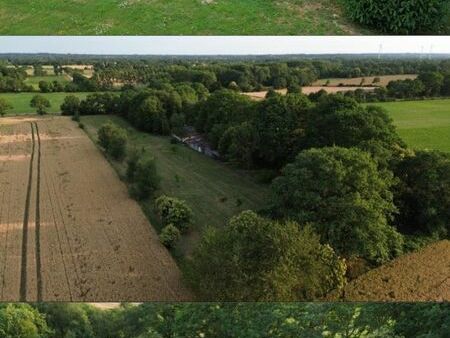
x=254, y=76
x=426, y=85
x=214, y=320
x=238, y=75
x=12, y=80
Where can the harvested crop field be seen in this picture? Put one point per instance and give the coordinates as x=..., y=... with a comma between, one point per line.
x=69, y=231
x=309, y=90
x=368, y=80
x=419, y=276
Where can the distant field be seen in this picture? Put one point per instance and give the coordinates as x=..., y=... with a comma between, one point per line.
x=307, y=90
x=34, y=80
x=422, y=124
x=368, y=80
x=21, y=101
x=211, y=188
x=178, y=17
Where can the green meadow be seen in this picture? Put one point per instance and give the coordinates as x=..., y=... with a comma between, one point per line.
x=174, y=17
x=422, y=124
x=214, y=190
x=21, y=101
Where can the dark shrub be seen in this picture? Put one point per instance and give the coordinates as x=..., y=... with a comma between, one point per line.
x=423, y=195
x=71, y=105
x=113, y=139
x=399, y=17
x=169, y=235
x=145, y=180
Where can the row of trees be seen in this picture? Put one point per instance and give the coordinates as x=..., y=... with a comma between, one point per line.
x=241, y=75
x=12, y=80
x=428, y=84
x=143, y=181
x=255, y=75
x=217, y=320
x=162, y=110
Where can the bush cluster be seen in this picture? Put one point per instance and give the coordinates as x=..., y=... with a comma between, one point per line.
x=174, y=211
x=113, y=139
x=169, y=235
x=399, y=16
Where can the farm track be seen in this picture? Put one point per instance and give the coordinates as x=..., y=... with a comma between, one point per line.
x=81, y=237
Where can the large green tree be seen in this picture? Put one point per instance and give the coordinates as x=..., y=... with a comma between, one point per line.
x=70, y=105
x=346, y=198
x=254, y=259
x=41, y=104
x=340, y=121
x=22, y=321
x=67, y=319
x=280, y=124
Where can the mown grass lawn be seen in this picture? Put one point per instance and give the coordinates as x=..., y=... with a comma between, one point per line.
x=214, y=190
x=21, y=101
x=422, y=124
x=177, y=17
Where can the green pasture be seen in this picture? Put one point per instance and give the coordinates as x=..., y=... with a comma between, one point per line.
x=21, y=101
x=214, y=190
x=174, y=17
x=422, y=124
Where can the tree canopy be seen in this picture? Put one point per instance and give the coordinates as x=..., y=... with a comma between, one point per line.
x=341, y=192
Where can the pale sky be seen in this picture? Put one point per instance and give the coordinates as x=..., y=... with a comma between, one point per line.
x=231, y=45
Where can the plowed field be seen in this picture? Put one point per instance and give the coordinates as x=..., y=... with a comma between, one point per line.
x=68, y=230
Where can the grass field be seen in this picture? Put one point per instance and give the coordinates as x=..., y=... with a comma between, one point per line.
x=174, y=17
x=21, y=101
x=211, y=188
x=34, y=80
x=422, y=124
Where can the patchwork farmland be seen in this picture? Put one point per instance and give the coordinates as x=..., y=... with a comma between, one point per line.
x=68, y=230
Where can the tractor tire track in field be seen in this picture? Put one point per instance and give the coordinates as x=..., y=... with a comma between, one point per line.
x=23, y=271
x=38, y=218
x=35, y=156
